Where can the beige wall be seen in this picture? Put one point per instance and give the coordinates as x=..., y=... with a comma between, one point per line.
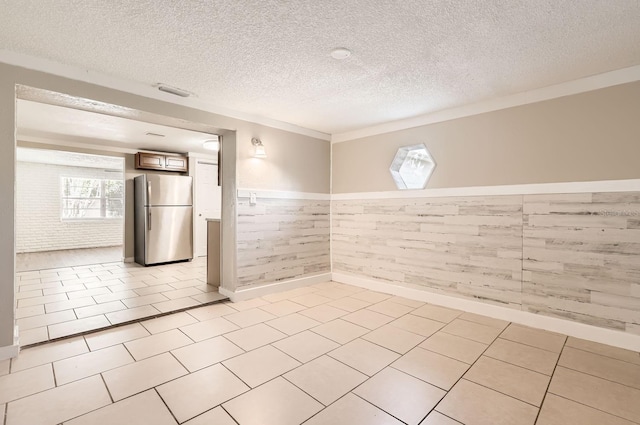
x=7, y=209
x=295, y=162
x=585, y=137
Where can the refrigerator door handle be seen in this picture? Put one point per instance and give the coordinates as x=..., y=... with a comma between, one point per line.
x=149, y=221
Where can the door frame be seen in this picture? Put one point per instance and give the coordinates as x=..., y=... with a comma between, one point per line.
x=193, y=167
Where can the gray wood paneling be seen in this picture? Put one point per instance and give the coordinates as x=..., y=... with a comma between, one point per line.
x=572, y=256
x=468, y=247
x=582, y=258
x=281, y=239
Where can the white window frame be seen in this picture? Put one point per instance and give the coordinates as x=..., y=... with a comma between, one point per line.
x=102, y=199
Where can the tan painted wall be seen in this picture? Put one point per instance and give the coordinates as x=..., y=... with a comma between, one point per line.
x=295, y=162
x=585, y=137
x=7, y=211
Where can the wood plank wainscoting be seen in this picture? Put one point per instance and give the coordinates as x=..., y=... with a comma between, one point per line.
x=282, y=238
x=572, y=256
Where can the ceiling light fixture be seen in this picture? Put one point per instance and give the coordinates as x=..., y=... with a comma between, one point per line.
x=212, y=144
x=340, y=53
x=173, y=90
x=259, y=148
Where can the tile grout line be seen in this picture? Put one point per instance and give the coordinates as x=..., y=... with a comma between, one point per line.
x=315, y=358
x=597, y=377
x=155, y=389
x=390, y=365
x=446, y=416
x=517, y=365
x=544, y=397
x=107, y=387
x=469, y=368
x=605, y=356
x=369, y=331
x=301, y=389
x=529, y=345
x=234, y=374
x=225, y=410
x=55, y=378
x=594, y=408
x=379, y=408
x=503, y=393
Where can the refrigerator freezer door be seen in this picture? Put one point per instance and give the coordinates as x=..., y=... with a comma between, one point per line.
x=169, y=234
x=168, y=190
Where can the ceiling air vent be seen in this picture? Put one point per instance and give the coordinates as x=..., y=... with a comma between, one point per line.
x=173, y=90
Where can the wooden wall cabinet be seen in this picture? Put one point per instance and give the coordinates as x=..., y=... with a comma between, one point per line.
x=156, y=161
x=176, y=163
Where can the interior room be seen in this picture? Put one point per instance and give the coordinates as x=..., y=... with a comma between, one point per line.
x=75, y=262
x=363, y=213
x=69, y=209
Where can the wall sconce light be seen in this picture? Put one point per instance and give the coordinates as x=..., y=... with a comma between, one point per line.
x=259, y=148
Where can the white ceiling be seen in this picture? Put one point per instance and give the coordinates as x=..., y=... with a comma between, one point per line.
x=44, y=122
x=271, y=57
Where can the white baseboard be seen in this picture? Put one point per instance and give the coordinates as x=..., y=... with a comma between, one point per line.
x=286, y=285
x=10, y=351
x=563, y=326
x=129, y=259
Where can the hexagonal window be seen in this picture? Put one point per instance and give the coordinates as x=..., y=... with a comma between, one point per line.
x=412, y=167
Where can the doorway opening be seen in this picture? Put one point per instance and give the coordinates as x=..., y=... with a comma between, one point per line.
x=56, y=300
x=208, y=194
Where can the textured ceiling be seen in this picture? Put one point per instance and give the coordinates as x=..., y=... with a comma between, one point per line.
x=77, y=126
x=271, y=58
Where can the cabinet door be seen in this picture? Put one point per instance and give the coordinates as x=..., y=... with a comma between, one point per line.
x=176, y=163
x=150, y=161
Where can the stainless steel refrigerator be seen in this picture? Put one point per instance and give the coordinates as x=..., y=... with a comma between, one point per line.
x=163, y=219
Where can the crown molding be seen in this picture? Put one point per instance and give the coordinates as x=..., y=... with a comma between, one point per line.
x=594, y=82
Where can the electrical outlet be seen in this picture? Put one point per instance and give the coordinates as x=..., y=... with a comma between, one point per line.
x=252, y=198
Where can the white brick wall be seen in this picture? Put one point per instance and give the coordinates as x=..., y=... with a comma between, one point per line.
x=38, y=223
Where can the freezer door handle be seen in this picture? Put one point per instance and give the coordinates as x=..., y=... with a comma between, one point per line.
x=149, y=200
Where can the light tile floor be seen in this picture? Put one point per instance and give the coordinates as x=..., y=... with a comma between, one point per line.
x=27, y=261
x=54, y=303
x=322, y=355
